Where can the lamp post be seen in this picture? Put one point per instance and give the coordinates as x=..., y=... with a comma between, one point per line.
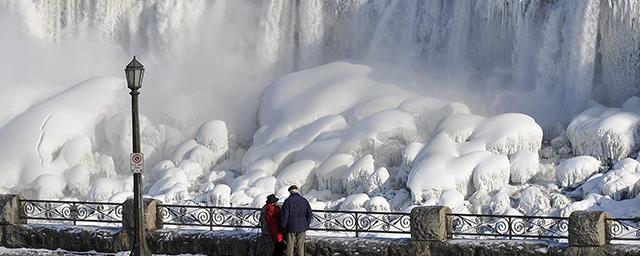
x=134, y=73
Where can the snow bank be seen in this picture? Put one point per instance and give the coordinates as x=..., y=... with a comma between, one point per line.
x=608, y=134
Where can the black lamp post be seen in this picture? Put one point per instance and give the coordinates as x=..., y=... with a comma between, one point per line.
x=135, y=72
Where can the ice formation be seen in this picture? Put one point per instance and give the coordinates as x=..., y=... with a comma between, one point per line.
x=359, y=109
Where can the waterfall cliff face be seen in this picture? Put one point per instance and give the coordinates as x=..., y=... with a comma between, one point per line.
x=572, y=51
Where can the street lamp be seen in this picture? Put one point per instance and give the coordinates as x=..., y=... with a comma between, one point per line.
x=135, y=72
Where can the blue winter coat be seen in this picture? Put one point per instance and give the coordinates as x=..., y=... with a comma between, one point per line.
x=295, y=214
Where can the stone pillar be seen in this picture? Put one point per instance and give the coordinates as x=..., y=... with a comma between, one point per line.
x=152, y=219
x=11, y=210
x=429, y=223
x=587, y=229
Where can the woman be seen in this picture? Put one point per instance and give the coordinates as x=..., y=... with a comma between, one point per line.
x=272, y=219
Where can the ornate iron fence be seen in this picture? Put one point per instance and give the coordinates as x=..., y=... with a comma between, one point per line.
x=361, y=222
x=623, y=228
x=234, y=217
x=509, y=226
x=73, y=211
x=209, y=216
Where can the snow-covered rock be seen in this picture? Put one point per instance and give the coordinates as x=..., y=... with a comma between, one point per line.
x=574, y=171
x=608, y=134
x=524, y=166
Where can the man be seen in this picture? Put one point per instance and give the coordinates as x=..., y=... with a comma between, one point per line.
x=295, y=218
x=271, y=222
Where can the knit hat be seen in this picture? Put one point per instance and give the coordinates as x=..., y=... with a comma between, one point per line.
x=292, y=187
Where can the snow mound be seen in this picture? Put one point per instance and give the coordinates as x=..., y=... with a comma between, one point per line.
x=573, y=172
x=608, y=134
x=469, y=153
x=51, y=136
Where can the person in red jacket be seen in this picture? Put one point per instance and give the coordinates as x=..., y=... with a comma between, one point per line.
x=271, y=213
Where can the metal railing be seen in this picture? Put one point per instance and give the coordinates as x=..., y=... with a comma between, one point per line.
x=354, y=222
x=323, y=220
x=71, y=211
x=506, y=226
x=209, y=216
x=623, y=228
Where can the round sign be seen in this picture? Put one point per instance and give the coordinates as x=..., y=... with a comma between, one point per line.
x=136, y=158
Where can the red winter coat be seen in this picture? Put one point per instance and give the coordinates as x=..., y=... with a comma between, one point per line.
x=272, y=216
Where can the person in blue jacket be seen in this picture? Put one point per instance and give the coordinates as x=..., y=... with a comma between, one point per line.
x=295, y=218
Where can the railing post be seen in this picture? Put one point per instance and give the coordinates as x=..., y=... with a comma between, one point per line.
x=152, y=219
x=11, y=210
x=588, y=232
x=429, y=223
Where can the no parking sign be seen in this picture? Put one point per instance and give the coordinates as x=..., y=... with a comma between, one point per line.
x=136, y=162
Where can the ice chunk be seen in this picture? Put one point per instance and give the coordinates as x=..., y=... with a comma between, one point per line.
x=524, y=166
x=574, y=171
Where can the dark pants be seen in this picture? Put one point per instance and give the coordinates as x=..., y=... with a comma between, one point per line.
x=295, y=241
x=278, y=248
